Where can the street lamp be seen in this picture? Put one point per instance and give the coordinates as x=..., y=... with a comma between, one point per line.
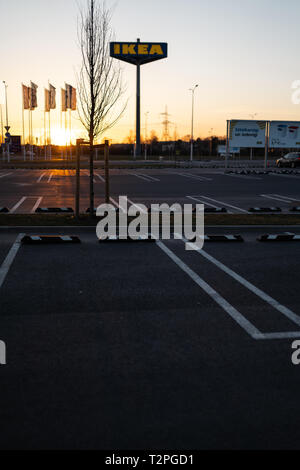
x=146, y=133
x=6, y=105
x=7, y=127
x=192, y=133
x=251, y=150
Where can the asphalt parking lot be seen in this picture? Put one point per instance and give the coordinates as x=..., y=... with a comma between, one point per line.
x=24, y=191
x=148, y=346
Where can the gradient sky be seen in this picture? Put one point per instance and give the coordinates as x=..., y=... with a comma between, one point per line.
x=243, y=54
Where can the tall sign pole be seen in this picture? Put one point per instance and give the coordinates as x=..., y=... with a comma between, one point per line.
x=138, y=54
x=138, y=109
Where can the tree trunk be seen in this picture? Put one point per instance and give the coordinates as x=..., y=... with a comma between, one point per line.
x=92, y=204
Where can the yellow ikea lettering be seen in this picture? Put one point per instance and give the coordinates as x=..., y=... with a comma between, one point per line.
x=117, y=49
x=128, y=49
x=142, y=49
x=156, y=49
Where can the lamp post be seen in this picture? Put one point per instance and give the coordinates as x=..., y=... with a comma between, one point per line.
x=7, y=127
x=146, y=133
x=251, y=150
x=192, y=133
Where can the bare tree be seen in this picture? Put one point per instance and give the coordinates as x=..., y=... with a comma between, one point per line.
x=100, y=84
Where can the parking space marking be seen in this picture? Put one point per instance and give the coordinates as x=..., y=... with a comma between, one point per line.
x=255, y=290
x=41, y=177
x=225, y=204
x=10, y=258
x=6, y=174
x=267, y=196
x=137, y=205
x=232, y=311
x=140, y=177
x=285, y=197
x=204, y=202
x=36, y=205
x=244, y=177
x=191, y=176
x=100, y=177
x=117, y=205
x=50, y=178
x=149, y=177
x=18, y=205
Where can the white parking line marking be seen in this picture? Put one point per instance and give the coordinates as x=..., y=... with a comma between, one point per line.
x=50, y=178
x=225, y=204
x=283, y=335
x=205, y=203
x=100, y=177
x=235, y=314
x=244, y=177
x=6, y=174
x=150, y=177
x=136, y=205
x=139, y=176
x=258, y=292
x=285, y=197
x=40, y=178
x=274, y=198
x=10, y=258
x=195, y=177
x=18, y=205
x=36, y=205
x=117, y=205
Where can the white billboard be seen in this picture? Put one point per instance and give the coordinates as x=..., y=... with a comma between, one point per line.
x=284, y=134
x=247, y=134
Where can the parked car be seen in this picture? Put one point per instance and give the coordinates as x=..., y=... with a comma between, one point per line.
x=290, y=160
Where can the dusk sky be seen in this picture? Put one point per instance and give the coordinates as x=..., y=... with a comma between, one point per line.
x=243, y=54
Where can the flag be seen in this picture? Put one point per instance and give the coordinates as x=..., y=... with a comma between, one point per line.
x=52, y=92
x=47, y=101
x=73, y=100
x=33, y=96
x=26, y=97
x=63, y=100
x=68, y=96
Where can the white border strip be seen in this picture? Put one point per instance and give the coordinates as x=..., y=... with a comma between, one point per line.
x=235, y=314
x=10, y=258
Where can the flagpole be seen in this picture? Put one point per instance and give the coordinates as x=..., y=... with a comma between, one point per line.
x=50, y=151
x=45, y=136
x=66, y=133
x=70, y=124
x=31, y=123
x=23, y=124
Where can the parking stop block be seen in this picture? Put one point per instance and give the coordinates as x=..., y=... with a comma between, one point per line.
x=215, y=210
x=117, y=239
x=224, y=238
x=285, y=237
x=264, y=209
x=49, y=239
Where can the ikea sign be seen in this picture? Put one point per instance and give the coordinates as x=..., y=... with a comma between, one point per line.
x=139, y=53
